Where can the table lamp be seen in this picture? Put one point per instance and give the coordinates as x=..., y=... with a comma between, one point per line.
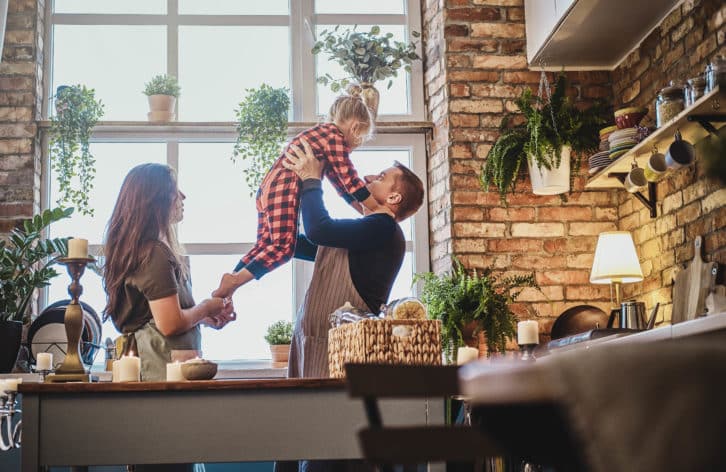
x=615, y=262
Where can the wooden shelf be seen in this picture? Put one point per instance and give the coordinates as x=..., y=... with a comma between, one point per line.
x=714, y=103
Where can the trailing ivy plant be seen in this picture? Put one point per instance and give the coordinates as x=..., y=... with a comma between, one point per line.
x=279, y=332
x=162, y=84
x=365, y=57
x=461, y=297
x=262, y=119
x=548, y=125
x=77, y=112
x=26, y=262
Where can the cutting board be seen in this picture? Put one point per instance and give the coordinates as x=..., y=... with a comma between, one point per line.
x=692, y=285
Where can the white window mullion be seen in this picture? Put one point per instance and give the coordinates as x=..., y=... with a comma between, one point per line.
x=303, y=72
x=415, y=78
x=172, y=42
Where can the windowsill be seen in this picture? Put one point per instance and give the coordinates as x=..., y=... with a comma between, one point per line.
x=245, y=369
x=211, y=127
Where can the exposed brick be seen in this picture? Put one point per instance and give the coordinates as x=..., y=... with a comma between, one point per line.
x=486, y=230
x=499, y=62
x=458, y=60
x=511, y=214
x=543, y=230
x=14, y=210
x=678, y=33
x=495, y=90
x=497, y=30
x=564, y=214
x=476, y=106
x=478, y=45
x=474, y=14
x=515, y=14
x=503, y=3
x=456, y=30
x=474, y=76
x=459, y=90
x=467, y=214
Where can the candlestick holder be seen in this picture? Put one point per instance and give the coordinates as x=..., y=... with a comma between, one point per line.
x=72, y=369
x=527, y=352
x=43, y=373
x=10, y=437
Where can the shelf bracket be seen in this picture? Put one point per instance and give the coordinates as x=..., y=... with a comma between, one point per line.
x=706, y=120
x=648, y=201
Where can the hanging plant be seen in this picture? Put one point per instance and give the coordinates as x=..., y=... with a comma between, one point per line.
x=261, y=130
x=77, y=112
x=365, y=57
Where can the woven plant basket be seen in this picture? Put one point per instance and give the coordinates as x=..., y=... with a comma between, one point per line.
x=409, y=342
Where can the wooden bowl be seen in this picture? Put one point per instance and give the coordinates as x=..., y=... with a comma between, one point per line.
x=199, y=370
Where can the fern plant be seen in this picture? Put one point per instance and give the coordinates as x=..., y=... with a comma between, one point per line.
x=548, y=125
x=261, y=130
x=26, y=263
x=77, y=112
x=460, y=297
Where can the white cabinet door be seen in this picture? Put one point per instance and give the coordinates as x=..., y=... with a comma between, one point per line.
x=540, y=18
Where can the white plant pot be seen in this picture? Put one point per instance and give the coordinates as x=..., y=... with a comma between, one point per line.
x=165, y=103
x=551, y=182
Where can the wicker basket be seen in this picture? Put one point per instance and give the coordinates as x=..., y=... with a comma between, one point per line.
x=411, y=342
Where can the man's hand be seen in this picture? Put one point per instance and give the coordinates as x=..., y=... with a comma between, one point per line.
x=304, y=164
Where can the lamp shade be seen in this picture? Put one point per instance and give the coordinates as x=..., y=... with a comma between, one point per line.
x=615, y=259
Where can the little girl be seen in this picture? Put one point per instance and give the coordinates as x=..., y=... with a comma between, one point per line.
x=278, y=197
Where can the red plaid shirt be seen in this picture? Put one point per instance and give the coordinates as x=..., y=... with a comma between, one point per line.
x=328, y=145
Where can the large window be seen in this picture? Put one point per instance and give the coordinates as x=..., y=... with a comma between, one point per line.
x=217, y=50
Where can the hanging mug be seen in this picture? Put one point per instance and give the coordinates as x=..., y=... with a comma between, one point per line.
x=635, y=180
x=655, y=166
x=680, y=153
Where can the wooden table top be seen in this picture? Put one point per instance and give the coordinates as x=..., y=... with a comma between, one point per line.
x=186, y=386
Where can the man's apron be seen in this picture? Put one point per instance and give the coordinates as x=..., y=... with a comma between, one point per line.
x=330, y=288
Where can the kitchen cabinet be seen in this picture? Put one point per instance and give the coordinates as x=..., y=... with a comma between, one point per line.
x=589, y=34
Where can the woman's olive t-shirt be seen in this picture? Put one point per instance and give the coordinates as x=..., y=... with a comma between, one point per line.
x=158, y=277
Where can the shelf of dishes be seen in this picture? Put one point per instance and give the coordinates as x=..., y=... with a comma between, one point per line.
x=713, y=103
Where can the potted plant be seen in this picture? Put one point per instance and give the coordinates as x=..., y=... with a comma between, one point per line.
x=77, y=112
x=26, y=262
x=261, y=130
x=551, y=140
x=279, y=337
x=366, y=58
x=461, y=297
x=162, y=91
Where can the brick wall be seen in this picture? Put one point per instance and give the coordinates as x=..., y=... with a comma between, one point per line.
x=689, y=205
x=483, y=62
x=20, y=107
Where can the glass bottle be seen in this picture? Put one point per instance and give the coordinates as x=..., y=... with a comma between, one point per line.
x=670, y=102
x=696, y=89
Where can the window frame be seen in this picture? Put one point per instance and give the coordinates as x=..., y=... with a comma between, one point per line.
x=394, y=131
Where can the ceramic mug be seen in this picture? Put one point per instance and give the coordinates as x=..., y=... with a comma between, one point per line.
x=635, y=180
x=680, y=153
x=655, y=167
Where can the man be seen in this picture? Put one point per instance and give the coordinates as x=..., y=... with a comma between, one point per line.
x=358, y=259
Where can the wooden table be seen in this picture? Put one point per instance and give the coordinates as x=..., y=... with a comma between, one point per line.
x=203, y=421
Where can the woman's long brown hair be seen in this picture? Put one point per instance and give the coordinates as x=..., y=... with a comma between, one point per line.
x=141, y=217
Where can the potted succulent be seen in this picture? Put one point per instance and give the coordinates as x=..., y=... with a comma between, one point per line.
x=279, y=337
x=366, y=58
x=162, y=91
x=77, y=112
x=26, y=262
x=262, y=118
x=462, y=297
x=550, y=141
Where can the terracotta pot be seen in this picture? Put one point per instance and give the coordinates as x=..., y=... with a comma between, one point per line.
x=280, y=352
x=162, y=107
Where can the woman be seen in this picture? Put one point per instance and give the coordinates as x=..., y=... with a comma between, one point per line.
x=146, y=280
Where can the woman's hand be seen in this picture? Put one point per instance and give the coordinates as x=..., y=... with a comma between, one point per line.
x=220, y=311
x=304, y=164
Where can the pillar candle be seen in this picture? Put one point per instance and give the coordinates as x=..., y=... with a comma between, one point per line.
x=173, y=372
x=44, y=361
x=78, y=248
x=115, y=371
x=466, y=354
x=527, y=332
x=11, y=385
x=129, y=369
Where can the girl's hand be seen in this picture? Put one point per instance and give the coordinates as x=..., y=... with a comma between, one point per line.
x=303, y=163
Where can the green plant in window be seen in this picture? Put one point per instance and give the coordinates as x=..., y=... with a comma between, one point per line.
x=162, y=84
x=279, y=332
x=262, y=118
x=26, y=261
x=77, y=112
x=365, y=57
x=461, y=297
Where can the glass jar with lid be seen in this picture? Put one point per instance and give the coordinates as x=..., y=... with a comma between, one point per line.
x=670, y=102
x=696, y=89
x=716, y=72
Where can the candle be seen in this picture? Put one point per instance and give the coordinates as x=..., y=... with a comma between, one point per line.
x=129, y=368
x=466, y=354
x=173, y=372
x=114, y=371
x=44, y=361
x=11, y=385
x=527, y=332
x=78, y=248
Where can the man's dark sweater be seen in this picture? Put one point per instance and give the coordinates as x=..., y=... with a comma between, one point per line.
x=375, y=244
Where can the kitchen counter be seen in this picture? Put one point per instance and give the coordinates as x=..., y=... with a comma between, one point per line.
x=107, y=423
